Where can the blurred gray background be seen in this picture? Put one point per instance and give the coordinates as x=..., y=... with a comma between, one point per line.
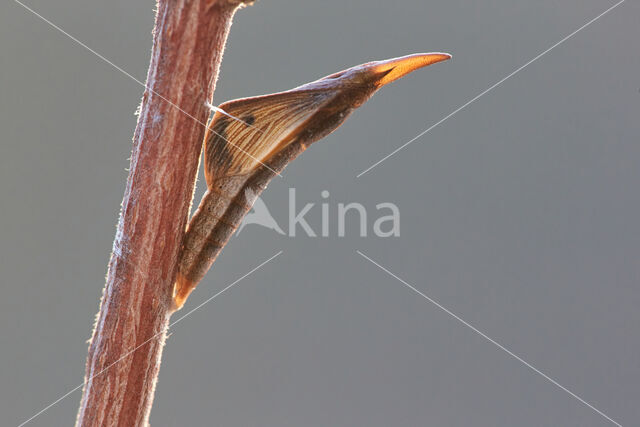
x=519, y=214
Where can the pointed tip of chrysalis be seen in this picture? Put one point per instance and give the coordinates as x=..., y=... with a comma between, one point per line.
x=396, y=68
x=181, y=290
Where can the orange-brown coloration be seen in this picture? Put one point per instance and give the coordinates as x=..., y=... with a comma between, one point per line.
x=241, y=157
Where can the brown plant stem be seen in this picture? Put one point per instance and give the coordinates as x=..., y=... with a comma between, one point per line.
x=188, y=42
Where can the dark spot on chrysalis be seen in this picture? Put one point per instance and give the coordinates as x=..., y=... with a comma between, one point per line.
x=250, y=119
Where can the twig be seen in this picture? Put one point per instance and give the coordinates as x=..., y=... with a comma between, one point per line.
x=188, y=42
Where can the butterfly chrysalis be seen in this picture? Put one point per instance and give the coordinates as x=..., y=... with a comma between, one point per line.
x=250, y=140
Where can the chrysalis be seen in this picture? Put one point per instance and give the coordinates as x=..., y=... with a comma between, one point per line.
x=248, y=141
